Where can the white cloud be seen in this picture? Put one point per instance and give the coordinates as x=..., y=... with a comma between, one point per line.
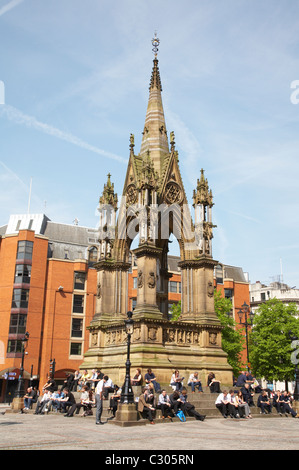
x=9, y=6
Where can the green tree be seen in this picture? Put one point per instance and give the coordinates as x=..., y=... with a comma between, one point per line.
x=232, y=338
x=270, y=342
x=175, y=311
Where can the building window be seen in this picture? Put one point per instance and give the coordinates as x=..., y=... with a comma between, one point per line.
x=78, y=306
x=172, y=286
x=23, y=274
x=134, y=282
x=93, y=254
x=77, y=328
x=263, y=296
x=180, y=287
x=228, y=293
x=134, y=303
x=20, y=298
x=79, y=280
x=17, y=324
x=76, y=349
x=219, y=274
x=25, y=249
x=14, y=346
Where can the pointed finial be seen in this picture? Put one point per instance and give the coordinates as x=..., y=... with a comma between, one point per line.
x=155, y=44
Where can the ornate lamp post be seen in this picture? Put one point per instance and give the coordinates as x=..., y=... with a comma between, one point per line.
x=20, y=389
x=245, y=310
x=127, y=395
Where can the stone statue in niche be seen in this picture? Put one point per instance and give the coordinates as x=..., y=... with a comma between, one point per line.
x=213, y=338
x=151, y=280
x=99, y=291
x=140, y=280
x=152, y=333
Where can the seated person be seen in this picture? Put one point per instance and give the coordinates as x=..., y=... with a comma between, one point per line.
x=176, y=402
x=50, y=385
x=164, y=405
x=55, y=400
x=137, y=379
x=264, y=403
x=146, y=409
x=222, y=403
x=278, y=403
x=213, y=383
x=287, y=407
x=151, y=378
x=247, y=394
x=176, y=381
x=108, y=387
x=75, y=407
x=68, y=400
x=188, y=408
x=115, y=399
x=241, y=380
x=29, y=398
x=194, y=382
x=243, y=407
x=42, y=403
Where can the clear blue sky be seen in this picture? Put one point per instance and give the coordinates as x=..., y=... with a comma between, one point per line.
x=76, y=77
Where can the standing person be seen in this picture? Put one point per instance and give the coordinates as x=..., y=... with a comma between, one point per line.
x=145, y=408
x=99, y=400
x=151, y=378
x=164, y=405
x=194, y=382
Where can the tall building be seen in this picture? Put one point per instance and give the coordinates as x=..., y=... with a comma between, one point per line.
x=260, y=293
x=47, y=288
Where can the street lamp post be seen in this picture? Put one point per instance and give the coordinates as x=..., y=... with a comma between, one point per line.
x=127, y=395
x=20, y=389
x=245, y=310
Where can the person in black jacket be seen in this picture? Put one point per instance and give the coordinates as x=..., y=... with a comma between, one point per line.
x=247, y=395
x=264, y=403
x=188, y=408
x=287, y=408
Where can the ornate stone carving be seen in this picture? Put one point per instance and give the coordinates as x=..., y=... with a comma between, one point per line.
x=152, y=333
x=140, y=280
x=173, y=193
x=151, y=280
x=212, y=338
x=131, y=194
x=210, y=289
x=99, y=291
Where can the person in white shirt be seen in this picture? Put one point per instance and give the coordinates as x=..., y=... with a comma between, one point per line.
x=108, y=387
x=99, y=400
x=222, y=403
x=164, y=405
x=194, y=382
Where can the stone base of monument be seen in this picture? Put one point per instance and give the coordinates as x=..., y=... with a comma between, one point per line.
x=127, y=415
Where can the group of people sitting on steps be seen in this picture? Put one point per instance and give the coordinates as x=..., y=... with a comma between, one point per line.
x=237, y=403
x=96, y=387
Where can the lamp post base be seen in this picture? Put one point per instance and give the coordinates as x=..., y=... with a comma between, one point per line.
x=127, y=415
x=17, y=404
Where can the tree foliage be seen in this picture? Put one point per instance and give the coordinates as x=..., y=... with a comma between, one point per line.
x=270, y=342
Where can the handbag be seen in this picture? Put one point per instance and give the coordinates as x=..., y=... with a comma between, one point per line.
x=181, y=416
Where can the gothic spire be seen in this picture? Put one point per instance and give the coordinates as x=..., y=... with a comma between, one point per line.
x=155, y=141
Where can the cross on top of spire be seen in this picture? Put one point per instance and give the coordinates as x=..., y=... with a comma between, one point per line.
x=155, y=44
